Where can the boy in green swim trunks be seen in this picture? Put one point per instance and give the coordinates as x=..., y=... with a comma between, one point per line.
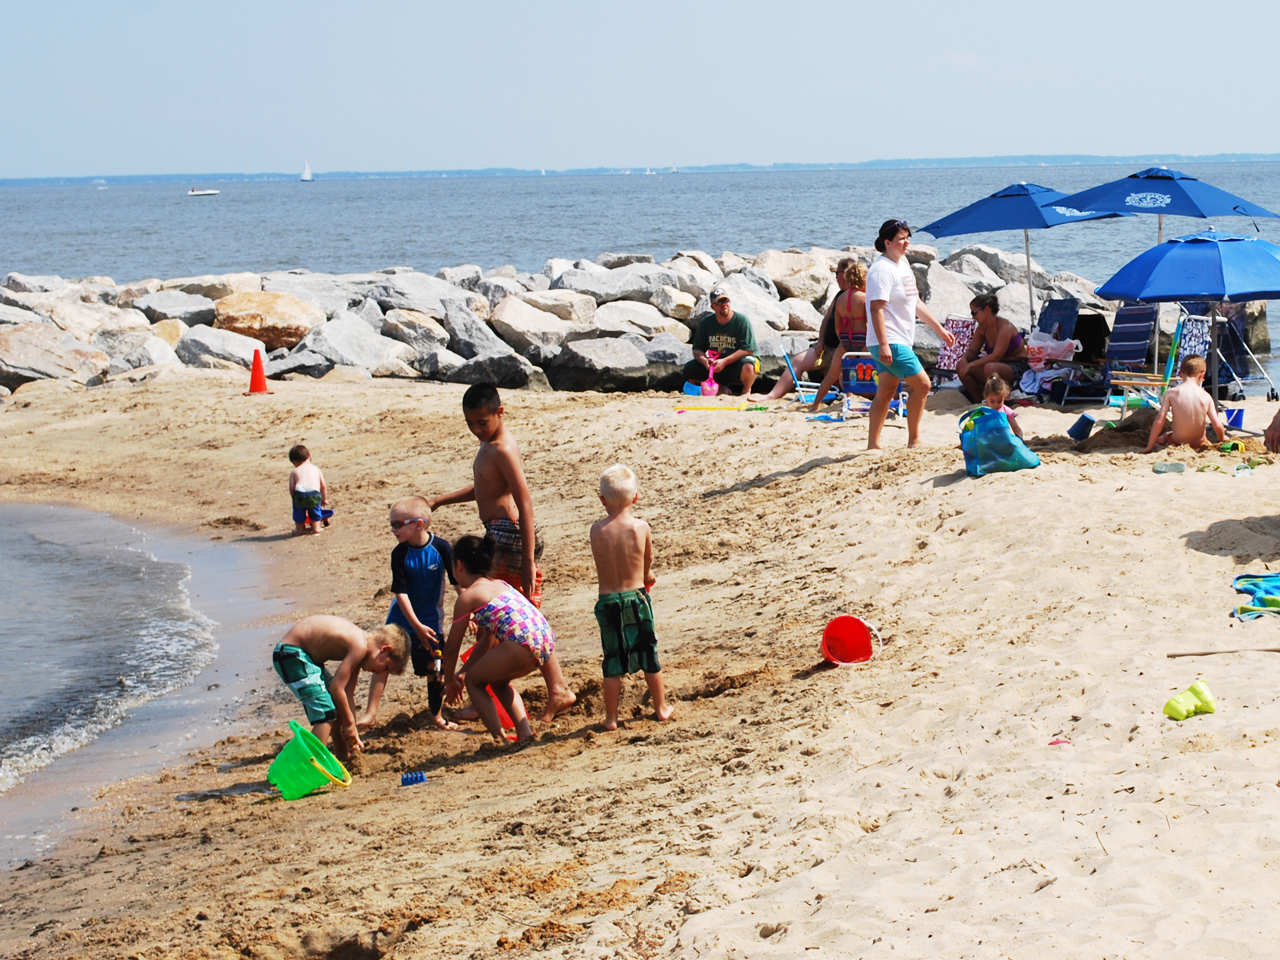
x=299, y=660
x=622, y=547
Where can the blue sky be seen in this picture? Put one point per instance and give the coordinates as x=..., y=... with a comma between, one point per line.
x=138, y=88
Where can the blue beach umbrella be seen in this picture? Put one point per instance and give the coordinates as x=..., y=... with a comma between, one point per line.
x=1201, y=266
x=1160, y=190
x=1020, y=206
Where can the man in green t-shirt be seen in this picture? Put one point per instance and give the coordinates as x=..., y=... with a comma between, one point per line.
x=730, y=335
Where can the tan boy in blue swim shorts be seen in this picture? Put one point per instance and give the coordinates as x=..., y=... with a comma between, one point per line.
x=623, y=550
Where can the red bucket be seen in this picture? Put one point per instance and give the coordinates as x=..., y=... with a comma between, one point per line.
x=848, y=640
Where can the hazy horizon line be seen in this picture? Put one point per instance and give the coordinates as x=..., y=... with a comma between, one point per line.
x=1027, y=160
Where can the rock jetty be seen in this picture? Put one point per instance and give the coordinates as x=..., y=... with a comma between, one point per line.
x=619, y=322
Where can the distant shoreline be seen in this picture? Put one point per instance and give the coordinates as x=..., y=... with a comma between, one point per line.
x=1047, y=160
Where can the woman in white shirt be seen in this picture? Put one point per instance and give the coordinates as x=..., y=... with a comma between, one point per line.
x=893, y=303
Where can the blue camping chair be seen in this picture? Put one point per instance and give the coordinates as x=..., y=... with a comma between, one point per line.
x=1058, y=318
x=803, y=395
x=858, y=379
x=1127, y=350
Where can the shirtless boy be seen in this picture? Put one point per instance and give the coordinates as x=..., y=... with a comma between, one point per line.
x=623, y=550
x=502, y=496
x=308, y=491
x=299, y=660
x=1189, y=403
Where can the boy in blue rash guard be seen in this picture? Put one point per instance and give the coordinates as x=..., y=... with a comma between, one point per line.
x=420, y=564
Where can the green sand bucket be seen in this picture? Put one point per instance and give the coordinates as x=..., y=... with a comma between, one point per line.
x=304, y=765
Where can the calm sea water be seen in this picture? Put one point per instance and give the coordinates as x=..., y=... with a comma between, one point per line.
x=130, y=232
x=92, y=626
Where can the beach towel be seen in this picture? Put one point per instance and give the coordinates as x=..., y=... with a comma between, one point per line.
x=1264, y=595
x=990, y=445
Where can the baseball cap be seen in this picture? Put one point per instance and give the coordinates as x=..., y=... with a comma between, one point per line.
x=718, y=294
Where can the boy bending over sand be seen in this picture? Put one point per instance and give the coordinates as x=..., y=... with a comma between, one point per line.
x=299, y=660
x=502, y=497
x=1189, y=403
x=623, y=550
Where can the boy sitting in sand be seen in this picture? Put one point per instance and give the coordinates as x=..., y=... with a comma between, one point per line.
x=1189, y=403
x=299, y=660
x=994, y=393
x=420, y=564
x=309, y=492
x=502, y=497
x=515, y=639
x=622, y=547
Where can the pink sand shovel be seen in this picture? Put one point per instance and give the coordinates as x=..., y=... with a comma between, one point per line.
x=709, y=386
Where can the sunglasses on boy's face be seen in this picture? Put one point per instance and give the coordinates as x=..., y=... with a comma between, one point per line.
x=397, y=524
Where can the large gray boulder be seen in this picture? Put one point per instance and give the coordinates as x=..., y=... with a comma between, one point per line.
x=703, y=260
x=124, y=296
x=772, y=350
x=152, y=352
x=803, y=276
x=762, y=280
x=675, y=303
x=921, y=253
x=21, y=283
x=1009, y=267
x=277, y=319
x=508, y=370
x=568, y=305
x=118, y=341
x=607, y=365
x=40, y=351
x=556, y=266
x=469, y=336
x=306, y=362
x=496, y=289
x=349, y=342
x=767, y=315
x=634, y=282
x=369, y=311
x=421, y=332
x=429, y=295
x=947, y=292
x=14, y=315
x=802, y=315
x=176, y=305
x=203, y=346
x=977, y=275
x=84, y=320
x=331, y=293
x=215, y=287
x=465, y=276
x=611, y=261
x=643, y=318
x=507, y=271
x=521, y=326
x=665, y=356
x=533, y=281
x=692, y=277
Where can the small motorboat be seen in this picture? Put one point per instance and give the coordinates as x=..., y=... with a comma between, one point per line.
x=194, y=192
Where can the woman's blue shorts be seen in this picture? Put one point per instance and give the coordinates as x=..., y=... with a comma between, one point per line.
x=905, y=363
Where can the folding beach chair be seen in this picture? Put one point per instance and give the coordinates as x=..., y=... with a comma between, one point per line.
x=1058, y=318
x=1127, y=350
x=1146, y=389
x=949, y=358
x=803, y=395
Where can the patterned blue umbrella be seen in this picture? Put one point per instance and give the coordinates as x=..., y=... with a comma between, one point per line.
x=1160, y=190
x=1020, y=206
x=1201, y=266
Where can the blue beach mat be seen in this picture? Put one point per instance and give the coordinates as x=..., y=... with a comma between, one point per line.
x=1264, y=593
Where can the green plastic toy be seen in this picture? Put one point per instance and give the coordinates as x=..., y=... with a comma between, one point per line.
x=305, y=765
x=1195, y=699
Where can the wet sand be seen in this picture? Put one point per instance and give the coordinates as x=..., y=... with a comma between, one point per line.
x=914, y=806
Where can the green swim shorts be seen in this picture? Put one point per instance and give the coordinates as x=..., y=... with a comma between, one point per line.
x=308, y=680
x=626, y=633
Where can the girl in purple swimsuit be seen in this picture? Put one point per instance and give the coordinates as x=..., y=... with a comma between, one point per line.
x=514, y=638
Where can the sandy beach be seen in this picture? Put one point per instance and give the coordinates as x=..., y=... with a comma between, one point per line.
x=1000, y=782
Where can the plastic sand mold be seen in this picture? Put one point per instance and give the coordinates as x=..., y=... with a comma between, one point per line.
x=1170, y=467
x=848, y=640
x=1194, y=700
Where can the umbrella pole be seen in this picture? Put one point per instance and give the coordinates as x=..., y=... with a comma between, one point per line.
x=1213, y=360
x=1160, y=229
x=1031, y=299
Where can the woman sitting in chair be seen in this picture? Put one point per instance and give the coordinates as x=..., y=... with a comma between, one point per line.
x=997, y=349
x=830, y=345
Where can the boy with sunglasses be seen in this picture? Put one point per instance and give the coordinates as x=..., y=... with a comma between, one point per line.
x=420, y=563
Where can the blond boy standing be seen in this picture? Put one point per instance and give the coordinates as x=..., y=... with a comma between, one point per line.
x=622, y=547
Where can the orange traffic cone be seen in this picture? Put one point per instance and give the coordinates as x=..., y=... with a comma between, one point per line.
x=258, y=376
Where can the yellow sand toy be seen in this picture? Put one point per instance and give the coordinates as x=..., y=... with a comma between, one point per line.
x=1195, y=699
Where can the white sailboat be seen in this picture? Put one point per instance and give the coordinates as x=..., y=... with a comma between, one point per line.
x=306, y=172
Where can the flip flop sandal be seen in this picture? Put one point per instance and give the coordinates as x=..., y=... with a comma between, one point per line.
x=1170, y=467
x=1260, y=462
x=1241, y=470
x=1210, y=468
